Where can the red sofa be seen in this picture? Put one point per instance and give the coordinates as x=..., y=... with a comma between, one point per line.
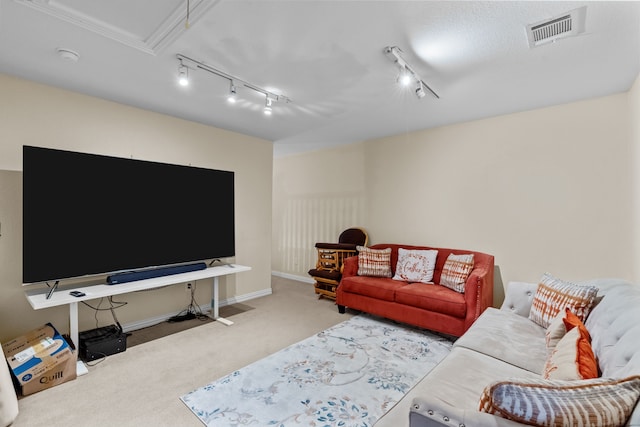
x=433, y=307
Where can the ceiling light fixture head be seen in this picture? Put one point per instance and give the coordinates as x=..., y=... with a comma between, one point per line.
x=267, y=106
x=420, y=93
x=405, y=77
x=183, y=75
x=233, y=93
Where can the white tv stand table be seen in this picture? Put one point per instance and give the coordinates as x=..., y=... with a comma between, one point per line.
x=38, y=297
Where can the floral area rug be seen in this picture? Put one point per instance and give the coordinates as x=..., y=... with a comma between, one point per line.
x=348, y=375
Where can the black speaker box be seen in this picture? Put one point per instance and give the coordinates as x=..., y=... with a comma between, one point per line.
x=101, y=342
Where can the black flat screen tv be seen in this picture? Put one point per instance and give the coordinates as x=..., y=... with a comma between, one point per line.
x=87, y=214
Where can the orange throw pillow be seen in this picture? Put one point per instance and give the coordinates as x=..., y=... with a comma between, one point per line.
x=570, y=321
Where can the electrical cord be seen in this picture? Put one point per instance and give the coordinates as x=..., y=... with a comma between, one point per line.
x=120, y=304
x=112, y=305
x=193, y=310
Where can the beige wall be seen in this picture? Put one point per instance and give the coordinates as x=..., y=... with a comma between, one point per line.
x=634, y=117
x=316, y=196
x=33, y=114
x=547, y=190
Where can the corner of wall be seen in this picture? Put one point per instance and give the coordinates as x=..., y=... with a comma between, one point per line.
x=634, y=123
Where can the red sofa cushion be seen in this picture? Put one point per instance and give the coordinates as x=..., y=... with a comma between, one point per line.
x=434, y=298
x=380, y=288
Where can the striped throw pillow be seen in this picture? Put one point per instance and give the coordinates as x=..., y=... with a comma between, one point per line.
x=554, y=295
x=599, y=402
x=374, y=262
x=455, y=271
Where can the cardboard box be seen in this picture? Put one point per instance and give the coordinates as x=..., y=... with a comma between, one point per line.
x=40, y=359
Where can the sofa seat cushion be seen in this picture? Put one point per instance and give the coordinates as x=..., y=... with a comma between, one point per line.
x=375, y=287
x=435, y=298
x=325, y=274
x=508, y=337
x=458, y=380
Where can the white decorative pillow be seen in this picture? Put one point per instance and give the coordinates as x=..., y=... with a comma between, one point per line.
x=374, y=262
x=600, y=402
x=455, y=271
x=554, y=295
x=572, y=359
x=555, y=331
x=416, y=265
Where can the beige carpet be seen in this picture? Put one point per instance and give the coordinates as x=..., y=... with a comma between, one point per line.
x=141, y=387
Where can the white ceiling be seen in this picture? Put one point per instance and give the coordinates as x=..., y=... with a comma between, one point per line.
x=327, y=56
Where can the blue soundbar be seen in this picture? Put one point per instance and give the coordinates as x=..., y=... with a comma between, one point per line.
x=132, y=276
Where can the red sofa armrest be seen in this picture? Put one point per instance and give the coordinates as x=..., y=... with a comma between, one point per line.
x=350, y=266
x=478, y=292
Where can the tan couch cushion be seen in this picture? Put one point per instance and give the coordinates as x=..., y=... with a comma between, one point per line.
x=507, y=337
x=458, y=380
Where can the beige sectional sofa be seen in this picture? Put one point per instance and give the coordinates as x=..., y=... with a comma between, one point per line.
x=504, y=344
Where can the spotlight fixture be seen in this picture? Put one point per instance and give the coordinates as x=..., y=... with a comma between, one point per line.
x=271, y=97
x=407, y=73
x=267, y=106
x=404, y=78
x=233, y=95
x=183, y=75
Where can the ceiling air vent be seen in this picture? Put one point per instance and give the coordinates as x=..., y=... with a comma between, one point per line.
x=566, y=25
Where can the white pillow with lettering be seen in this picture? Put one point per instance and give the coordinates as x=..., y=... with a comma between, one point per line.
x=416, y=265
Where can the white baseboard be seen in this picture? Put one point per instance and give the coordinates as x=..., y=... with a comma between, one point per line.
x=305, y=279
x=145, y=323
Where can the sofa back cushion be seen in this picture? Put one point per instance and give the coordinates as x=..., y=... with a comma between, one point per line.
x=614, y=325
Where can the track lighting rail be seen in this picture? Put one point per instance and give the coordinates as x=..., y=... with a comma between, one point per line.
x=394, y=52
x=234, y=81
